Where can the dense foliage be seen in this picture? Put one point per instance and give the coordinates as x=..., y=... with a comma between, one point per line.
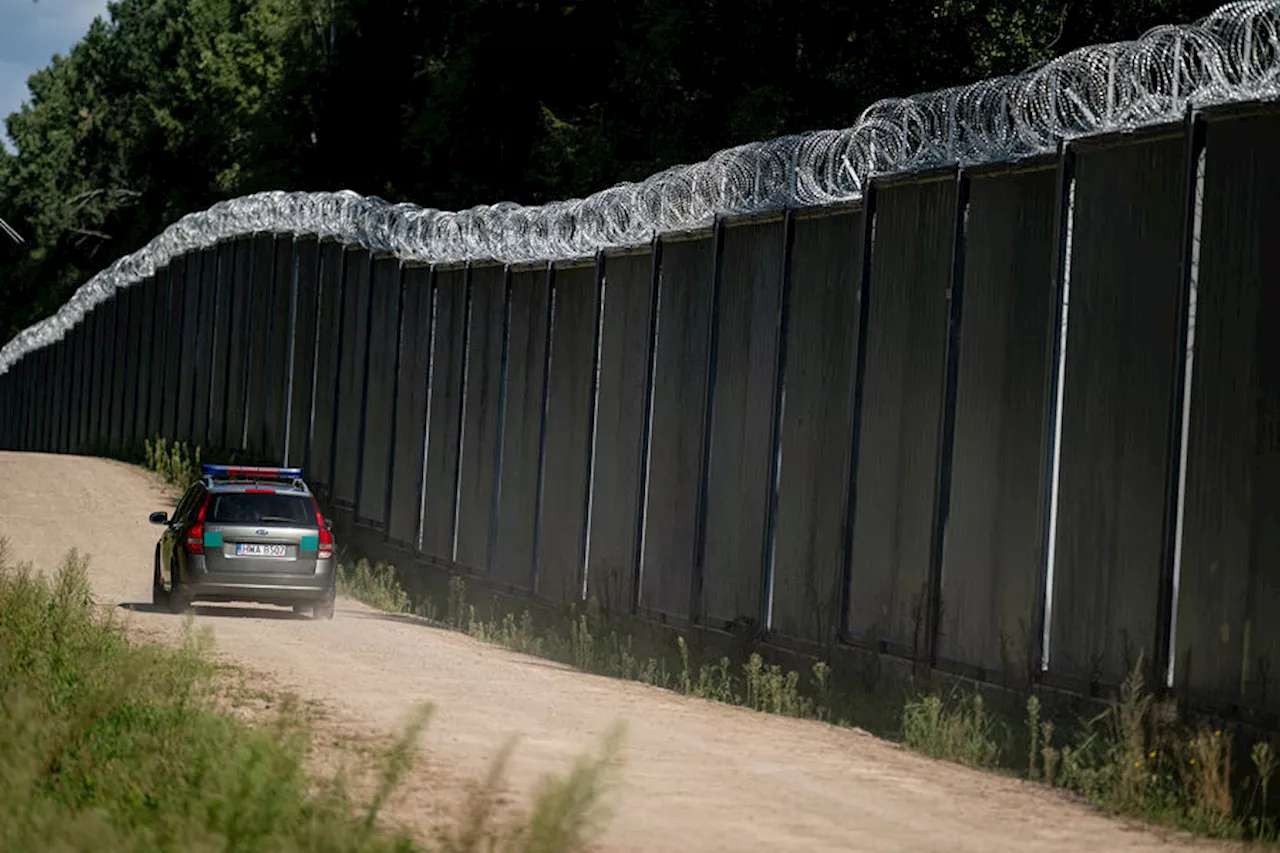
x=171, y=105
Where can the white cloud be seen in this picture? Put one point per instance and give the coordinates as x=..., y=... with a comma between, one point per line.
x=31, y=32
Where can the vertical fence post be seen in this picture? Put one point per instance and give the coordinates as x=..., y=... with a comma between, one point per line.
x=855, y=433
x=779, y=402
x=395, y=403
x=495, y=494
x=1053, y=417
x=947, y=427
x=1166, y=600
x=594, y=393
x=291, y=361
x=545, y=391
x=343, y=342
x=432, y=296
x=651, y=366
x=704, y=472
x=462, y=414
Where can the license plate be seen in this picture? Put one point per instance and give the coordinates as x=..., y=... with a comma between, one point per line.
x=246, y=549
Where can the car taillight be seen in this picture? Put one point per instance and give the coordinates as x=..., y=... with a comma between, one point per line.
x=325, y=551
x=195, y=536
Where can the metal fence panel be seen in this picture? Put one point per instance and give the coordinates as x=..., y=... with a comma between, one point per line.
x=44, y=399
x=57, y=407
x=303, y=354
x=411, y=379
x=204, y=331
x=1228, y=638
x=279, y=349
x=444, y=421
x=88, y=371
x=260, y=322
x=376, y=431
x=219, y=342
x=1122, y=335
x=119, y=372
x=109, y=324
x=164, y=381
x=903, y=383
x=329, y=330
x=21, y=393
x=679, y=410
x=742, y=414
x=49, y=398
x=58, y=399
x=621, y=420
x=817, y=426
x=567, y=438
x=482, y=392
x=245, y=253
x=992, y=557
x=53, y=397
x=93, y=381
x=131, y=321
x=349, y=401
x=525, y=395
x=75, y=375
x=40, y=403
x=145, y=316
x=188, y=295
x=79, y=366
x=8, y=410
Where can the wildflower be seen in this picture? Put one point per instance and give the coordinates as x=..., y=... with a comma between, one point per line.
x=1137, y=764
x=1152, y=755
x=1217, y=732
x=1193, y=761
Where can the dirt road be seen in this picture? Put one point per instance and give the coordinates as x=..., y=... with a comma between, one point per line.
x=699, y=777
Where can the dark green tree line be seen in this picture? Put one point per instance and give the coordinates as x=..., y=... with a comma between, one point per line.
x=170, y=105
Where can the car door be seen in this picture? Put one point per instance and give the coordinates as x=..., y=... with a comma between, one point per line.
x=170, y=542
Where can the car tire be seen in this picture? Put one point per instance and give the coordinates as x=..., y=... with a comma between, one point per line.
x=159, y=595
x=179, y=600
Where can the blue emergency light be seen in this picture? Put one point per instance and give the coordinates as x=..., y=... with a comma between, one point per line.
x=251, y=472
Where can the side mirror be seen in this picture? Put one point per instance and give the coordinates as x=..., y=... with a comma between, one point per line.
x=159, y=518
x=328, y=524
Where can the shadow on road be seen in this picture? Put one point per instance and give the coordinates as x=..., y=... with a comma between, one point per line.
x=215, y=610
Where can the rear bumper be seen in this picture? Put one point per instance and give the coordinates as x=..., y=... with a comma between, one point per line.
x=261, y=588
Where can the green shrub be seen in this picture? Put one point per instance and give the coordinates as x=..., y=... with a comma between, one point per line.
x=177, y=463
x=376, y=586
x=959, y=730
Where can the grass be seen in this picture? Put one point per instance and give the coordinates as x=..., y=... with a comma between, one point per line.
x=112, y=745
x=1140, y=757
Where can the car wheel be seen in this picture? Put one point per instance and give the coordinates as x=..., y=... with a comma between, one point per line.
x=159, y=596
x=179, y=600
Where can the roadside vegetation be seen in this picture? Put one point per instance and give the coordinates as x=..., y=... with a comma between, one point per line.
x=1140, y=756
x=109, y=744
x=177, y=463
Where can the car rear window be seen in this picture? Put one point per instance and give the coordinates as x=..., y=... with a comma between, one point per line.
x=258, y=508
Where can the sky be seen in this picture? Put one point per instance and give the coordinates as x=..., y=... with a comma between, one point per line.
x=31, y=32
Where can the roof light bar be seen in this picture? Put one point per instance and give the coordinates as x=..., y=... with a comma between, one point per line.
x=249, y=472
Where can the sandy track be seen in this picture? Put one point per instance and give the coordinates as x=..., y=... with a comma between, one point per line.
x=699, y=776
